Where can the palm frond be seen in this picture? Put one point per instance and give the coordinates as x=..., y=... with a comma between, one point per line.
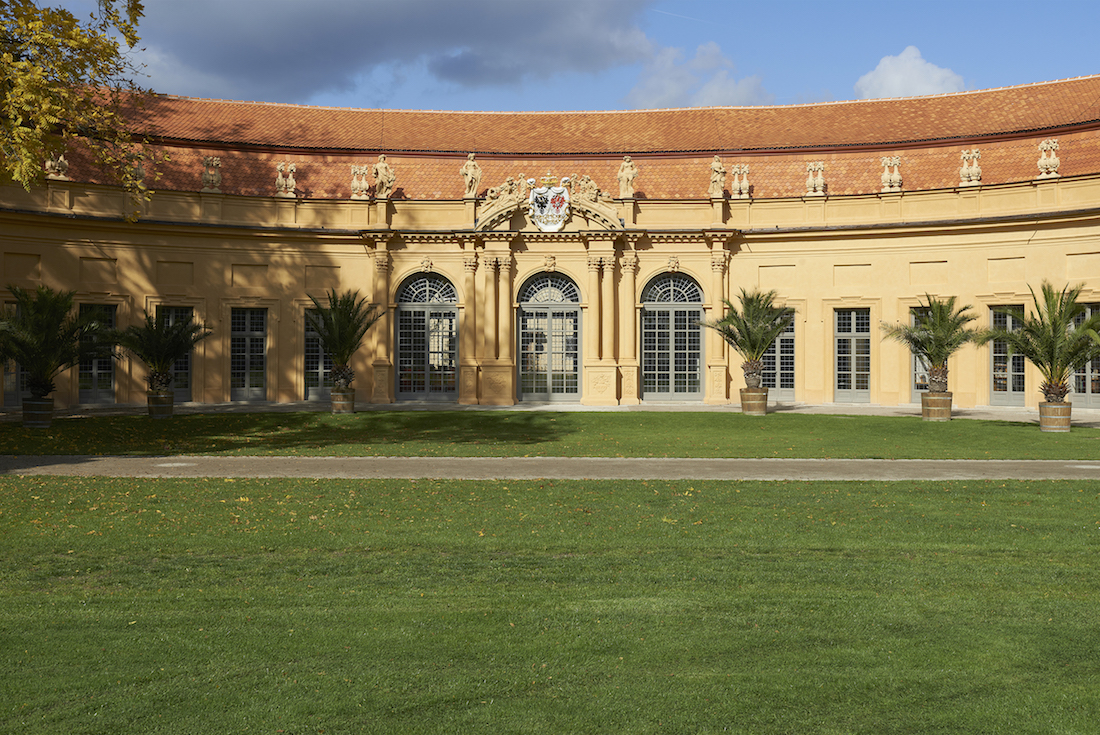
x=1057, y=337
x=45, y=337
x=158, y=344
x=341, y=324
x=939, y=332
x=752, y=328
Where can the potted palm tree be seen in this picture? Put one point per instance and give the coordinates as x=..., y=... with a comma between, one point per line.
x=1057, y=339
x=159, y=344
x=44, y=336
x=341, y=325
x=939, y=332
x=750, y=330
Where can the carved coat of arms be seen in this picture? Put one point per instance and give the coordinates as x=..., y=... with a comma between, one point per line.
x=548, y=204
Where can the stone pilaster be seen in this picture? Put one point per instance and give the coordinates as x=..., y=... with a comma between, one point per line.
x=467, y=347
x=717, y=371
x=628, y=331
x=382, y=331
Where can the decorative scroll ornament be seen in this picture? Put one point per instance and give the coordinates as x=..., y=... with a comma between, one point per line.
x=891, y=181
x=815, y=184
x=212, y=174
x=739, y=186
x=56, y=168
x=548, y=204
x=1048, y=159
x=285, y=185
x=360, y=184
x=971, y=173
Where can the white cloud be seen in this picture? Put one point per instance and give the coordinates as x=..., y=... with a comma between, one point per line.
x=907, y=75
x=288, y=51
x=705, y=80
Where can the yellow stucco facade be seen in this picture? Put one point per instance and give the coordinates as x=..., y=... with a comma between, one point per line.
x=484, y=307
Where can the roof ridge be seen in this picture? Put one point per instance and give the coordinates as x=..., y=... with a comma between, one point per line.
x=631, y=111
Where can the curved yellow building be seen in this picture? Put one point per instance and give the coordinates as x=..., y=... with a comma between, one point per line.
x=570, y=256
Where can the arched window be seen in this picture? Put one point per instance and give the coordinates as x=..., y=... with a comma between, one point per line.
x=672, y=339
x=427, y=339
x=549, y=339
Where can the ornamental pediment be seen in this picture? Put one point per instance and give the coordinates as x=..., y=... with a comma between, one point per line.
x=548, y=203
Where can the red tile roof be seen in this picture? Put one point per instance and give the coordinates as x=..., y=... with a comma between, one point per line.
x=994, y=112
x=672, y=148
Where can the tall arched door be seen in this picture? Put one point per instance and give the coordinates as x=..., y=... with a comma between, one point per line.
x=672, y=339
x=549, y=339
x=427, y=339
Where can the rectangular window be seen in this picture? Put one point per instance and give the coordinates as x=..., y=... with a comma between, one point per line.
x=96, y=376
x=853, y=355
x=318, y=365
x=248, y=355
x=1085, y=383
x=1007, y=379
x=779, y=366
x=181, y=368
x=15, y=379
x=919, y=364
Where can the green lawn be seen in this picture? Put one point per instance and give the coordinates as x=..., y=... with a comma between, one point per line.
x=564, y=434
x=300, y=606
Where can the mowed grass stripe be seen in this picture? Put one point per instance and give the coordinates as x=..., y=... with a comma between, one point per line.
x=583, y=607
x=557, y=434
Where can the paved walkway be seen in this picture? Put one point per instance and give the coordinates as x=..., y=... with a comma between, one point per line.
x=572, y=468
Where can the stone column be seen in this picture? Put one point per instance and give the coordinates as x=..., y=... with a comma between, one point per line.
x=382, y=331
x=607, y=309
x=628, y=329
x=504, y=304
x=467, y=347
x=592, y=322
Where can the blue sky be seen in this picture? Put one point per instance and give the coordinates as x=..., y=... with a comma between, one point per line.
x=606, y=54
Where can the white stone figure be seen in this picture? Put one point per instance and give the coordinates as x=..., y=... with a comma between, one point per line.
x=471, y=176
x=56, y=168
x=739, y=185
x=971, y=173
x=891, y=181
x=1048, y=159
x=384, y=178
x=212, y=175
x=284, y=186
x=627, y=173
x=815, y=184
x=717, y=179
x=586, y=189
x=360, y=185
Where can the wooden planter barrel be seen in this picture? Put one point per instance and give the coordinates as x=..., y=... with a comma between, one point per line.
x=935, y=406
x=343, y=401
x=1054, y=417
x=160, y=405
x=754, y=401
x=37, y=412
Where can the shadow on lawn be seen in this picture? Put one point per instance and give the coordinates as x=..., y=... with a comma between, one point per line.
x=281, y=433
